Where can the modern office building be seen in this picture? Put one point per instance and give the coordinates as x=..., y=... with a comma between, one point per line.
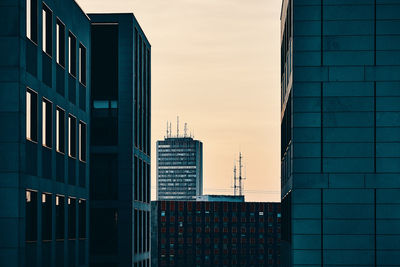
x=179, y=168
x=44, y=113
x=120, y=142
x=215, y=233
x=340, y=132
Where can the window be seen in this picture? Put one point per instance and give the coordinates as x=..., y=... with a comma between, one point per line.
x=47, y=119
x=71, y=136
x=82, y=64
x=46, y=217
x=71, y=218
x=60, y=43
x=82, y=218
x=31, y=216
x=60, y=217
x=82, y=141
x=47, y=30
x=60, y=130
x=72, y=54
x=31, y=115
x=31, y=20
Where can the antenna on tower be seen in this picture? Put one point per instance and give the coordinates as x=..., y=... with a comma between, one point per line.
x=240, y=175
x=170, y=129
x=185, y=131
x=234, y=179
x=177, y=126
x=167, y=130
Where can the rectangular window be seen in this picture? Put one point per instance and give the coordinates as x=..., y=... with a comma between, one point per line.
x=82, y=64
x=60, y=217
x=31, y=115
x=60, y=130
x=72, y=54
x=47, y=30
x=31, y=20
x=31, y=216
x=46, y=217
x=60, y=43
x=82, y=218
x=71, y=136
x=82, y=141
x=71, y=218
x=47, y=125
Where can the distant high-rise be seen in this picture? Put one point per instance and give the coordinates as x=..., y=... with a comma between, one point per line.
x=179, y=168
x=340, y=88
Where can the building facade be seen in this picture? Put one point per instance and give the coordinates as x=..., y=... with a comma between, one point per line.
x=44, y=113
x=120, y=147
x=340, y=88
x=179, y=168
x=195, y=233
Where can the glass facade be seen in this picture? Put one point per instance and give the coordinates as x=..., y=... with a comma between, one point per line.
x=179, y=169
x=340, y=115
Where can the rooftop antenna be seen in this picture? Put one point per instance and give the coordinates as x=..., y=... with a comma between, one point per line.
x=240, y=175
x=185, y=130
x=167, y=129
x=177, y=126
x=234, y=180
x=170, y=129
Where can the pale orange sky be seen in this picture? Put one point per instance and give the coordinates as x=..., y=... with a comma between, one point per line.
x=215, y=63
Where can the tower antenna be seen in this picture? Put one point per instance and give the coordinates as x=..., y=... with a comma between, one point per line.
x=234, y=179
x=185, y=131
x=170, y=129
x=167, y=130
x=240, y=175
x=177, y=126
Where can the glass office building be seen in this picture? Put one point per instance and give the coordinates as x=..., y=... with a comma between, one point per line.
x=340, y=85
x=179, y=168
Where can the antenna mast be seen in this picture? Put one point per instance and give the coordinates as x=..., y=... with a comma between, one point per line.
x=185, y=134
x=177, y=126
x=167, y=129
x=240, y=175
x=234, y=180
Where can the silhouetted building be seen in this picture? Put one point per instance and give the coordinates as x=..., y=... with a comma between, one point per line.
x=179, y=168
x=44, y=91
x=195, y=233
x=340, y=115
x=120, y=148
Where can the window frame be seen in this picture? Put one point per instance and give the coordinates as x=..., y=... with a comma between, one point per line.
x=44, y=127
x=72, y=58
x=47, y=28
x=58, y=46
x=69, y=137
x=30, y=34
x=80, y=147
x=58, y=109
x=80, y=69
x=30, y=138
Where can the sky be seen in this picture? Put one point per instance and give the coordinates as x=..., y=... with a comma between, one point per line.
x=216, y=65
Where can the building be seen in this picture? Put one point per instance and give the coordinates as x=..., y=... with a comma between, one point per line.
x=194, y=233
x=120, y=147
x=179, y=168
x=44, y=113
x=220, y=198
x=340, y=133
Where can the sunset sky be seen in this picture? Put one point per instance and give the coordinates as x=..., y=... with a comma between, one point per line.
x=215, y=63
